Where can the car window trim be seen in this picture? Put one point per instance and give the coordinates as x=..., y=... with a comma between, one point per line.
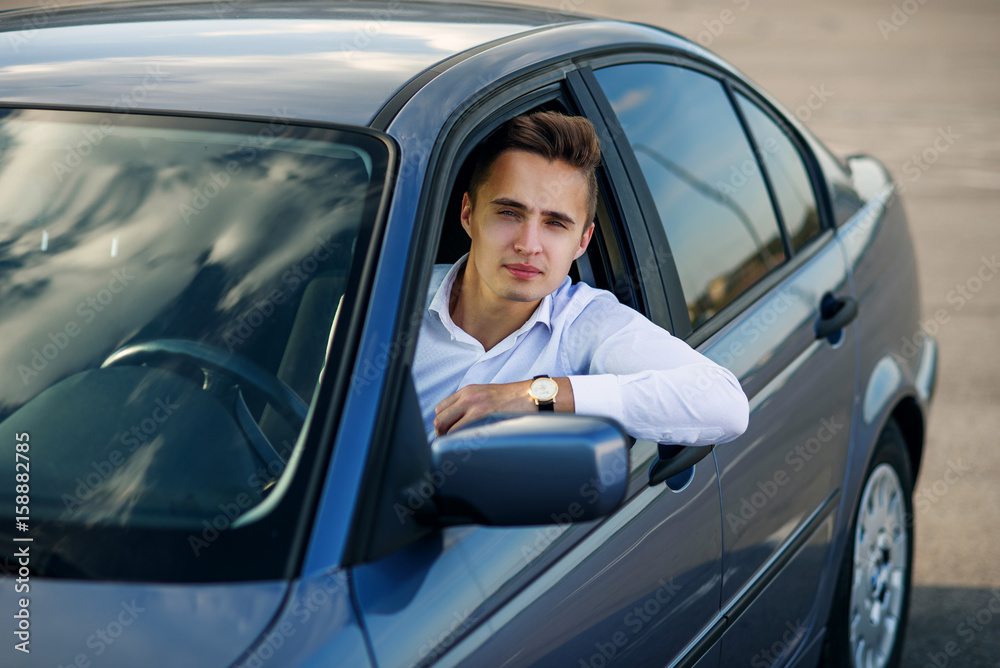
x=809, y=160
x=786, y=241
x=805, y=147
x=660, y=254
x=383, y=118
x=306, y=486
x=466, y=128
x=637, y=258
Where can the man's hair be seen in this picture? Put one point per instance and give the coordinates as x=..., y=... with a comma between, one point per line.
x=551, y=135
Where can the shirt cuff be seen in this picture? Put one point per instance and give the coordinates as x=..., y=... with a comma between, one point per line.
x=598, y=394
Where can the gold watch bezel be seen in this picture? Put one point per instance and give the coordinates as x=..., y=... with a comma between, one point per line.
x=537, y=397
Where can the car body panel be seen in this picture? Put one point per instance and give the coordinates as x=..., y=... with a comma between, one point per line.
x=282, y=65
x=557, y=578
x=793, y=455
x=124, y=624
x=317, y=627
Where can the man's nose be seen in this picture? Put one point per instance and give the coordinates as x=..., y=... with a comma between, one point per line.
x=529, y=238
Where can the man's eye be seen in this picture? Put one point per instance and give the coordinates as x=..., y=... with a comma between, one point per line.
x=557, y=223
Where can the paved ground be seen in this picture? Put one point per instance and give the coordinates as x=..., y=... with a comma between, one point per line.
x=897, y=74
x=890, y=92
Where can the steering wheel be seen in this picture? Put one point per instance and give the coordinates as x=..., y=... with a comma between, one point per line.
x=211, y=359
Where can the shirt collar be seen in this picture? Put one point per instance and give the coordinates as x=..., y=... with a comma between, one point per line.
x=440, y=305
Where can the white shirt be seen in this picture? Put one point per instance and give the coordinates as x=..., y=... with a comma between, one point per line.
x=619, y=364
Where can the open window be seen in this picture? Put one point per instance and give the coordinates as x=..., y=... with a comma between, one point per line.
x=403, y=459
x=593, y=268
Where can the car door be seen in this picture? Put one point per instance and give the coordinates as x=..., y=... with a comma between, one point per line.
x=745, y=250
x=635, y=589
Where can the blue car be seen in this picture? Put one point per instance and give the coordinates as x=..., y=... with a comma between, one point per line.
x=219, y=223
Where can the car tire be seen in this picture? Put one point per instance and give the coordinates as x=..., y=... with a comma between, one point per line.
x=871, y=603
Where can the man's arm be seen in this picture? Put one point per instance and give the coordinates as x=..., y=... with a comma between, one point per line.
x=654, y=384
x=473, y=402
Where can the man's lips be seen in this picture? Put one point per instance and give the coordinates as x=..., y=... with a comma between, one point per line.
x=523, y=271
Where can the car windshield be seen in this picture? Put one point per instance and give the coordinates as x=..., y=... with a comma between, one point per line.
x=170, y=293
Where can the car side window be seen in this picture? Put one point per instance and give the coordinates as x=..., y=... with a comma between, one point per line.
x=704, y=179
x=787, y=171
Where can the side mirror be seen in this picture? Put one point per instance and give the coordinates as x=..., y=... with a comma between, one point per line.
x=531, y=469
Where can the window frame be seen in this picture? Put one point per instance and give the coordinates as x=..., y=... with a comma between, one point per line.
x=813, y=172
x=623, y=245
x=668, y=269
x=295, y=510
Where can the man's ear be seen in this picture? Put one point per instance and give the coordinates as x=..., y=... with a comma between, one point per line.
x=585, y=240
x=466, y=215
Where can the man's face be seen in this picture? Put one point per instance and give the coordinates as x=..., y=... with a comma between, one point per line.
x=528, y=225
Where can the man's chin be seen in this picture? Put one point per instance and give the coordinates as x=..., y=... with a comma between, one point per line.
x=524, y=294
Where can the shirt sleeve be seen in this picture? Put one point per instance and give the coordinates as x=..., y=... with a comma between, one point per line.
x=654, y=384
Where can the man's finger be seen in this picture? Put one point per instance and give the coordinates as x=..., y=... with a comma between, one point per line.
x=449, y=400
x=467, y=418
x=445, y=420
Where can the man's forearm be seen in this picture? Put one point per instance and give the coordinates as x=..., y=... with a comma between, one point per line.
x=473, y=402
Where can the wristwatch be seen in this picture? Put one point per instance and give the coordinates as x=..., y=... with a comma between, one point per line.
x=543, y=390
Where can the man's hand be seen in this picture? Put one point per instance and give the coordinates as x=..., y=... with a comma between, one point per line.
x=473, y=402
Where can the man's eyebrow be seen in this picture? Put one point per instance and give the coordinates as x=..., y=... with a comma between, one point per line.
x=551, y=213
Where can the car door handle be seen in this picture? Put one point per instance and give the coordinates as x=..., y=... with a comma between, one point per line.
x=674, y=459
x=835, y=314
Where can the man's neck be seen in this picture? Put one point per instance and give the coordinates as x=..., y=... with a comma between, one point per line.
x=484, y=315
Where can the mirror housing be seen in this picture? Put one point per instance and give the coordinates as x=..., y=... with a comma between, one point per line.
x=530, y=469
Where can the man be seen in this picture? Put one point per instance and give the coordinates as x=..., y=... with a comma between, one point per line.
x=507, y=312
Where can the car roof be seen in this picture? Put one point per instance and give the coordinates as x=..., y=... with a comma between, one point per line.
x=293, y=59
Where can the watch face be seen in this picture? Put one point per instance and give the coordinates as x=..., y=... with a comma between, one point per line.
x=544, y=389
